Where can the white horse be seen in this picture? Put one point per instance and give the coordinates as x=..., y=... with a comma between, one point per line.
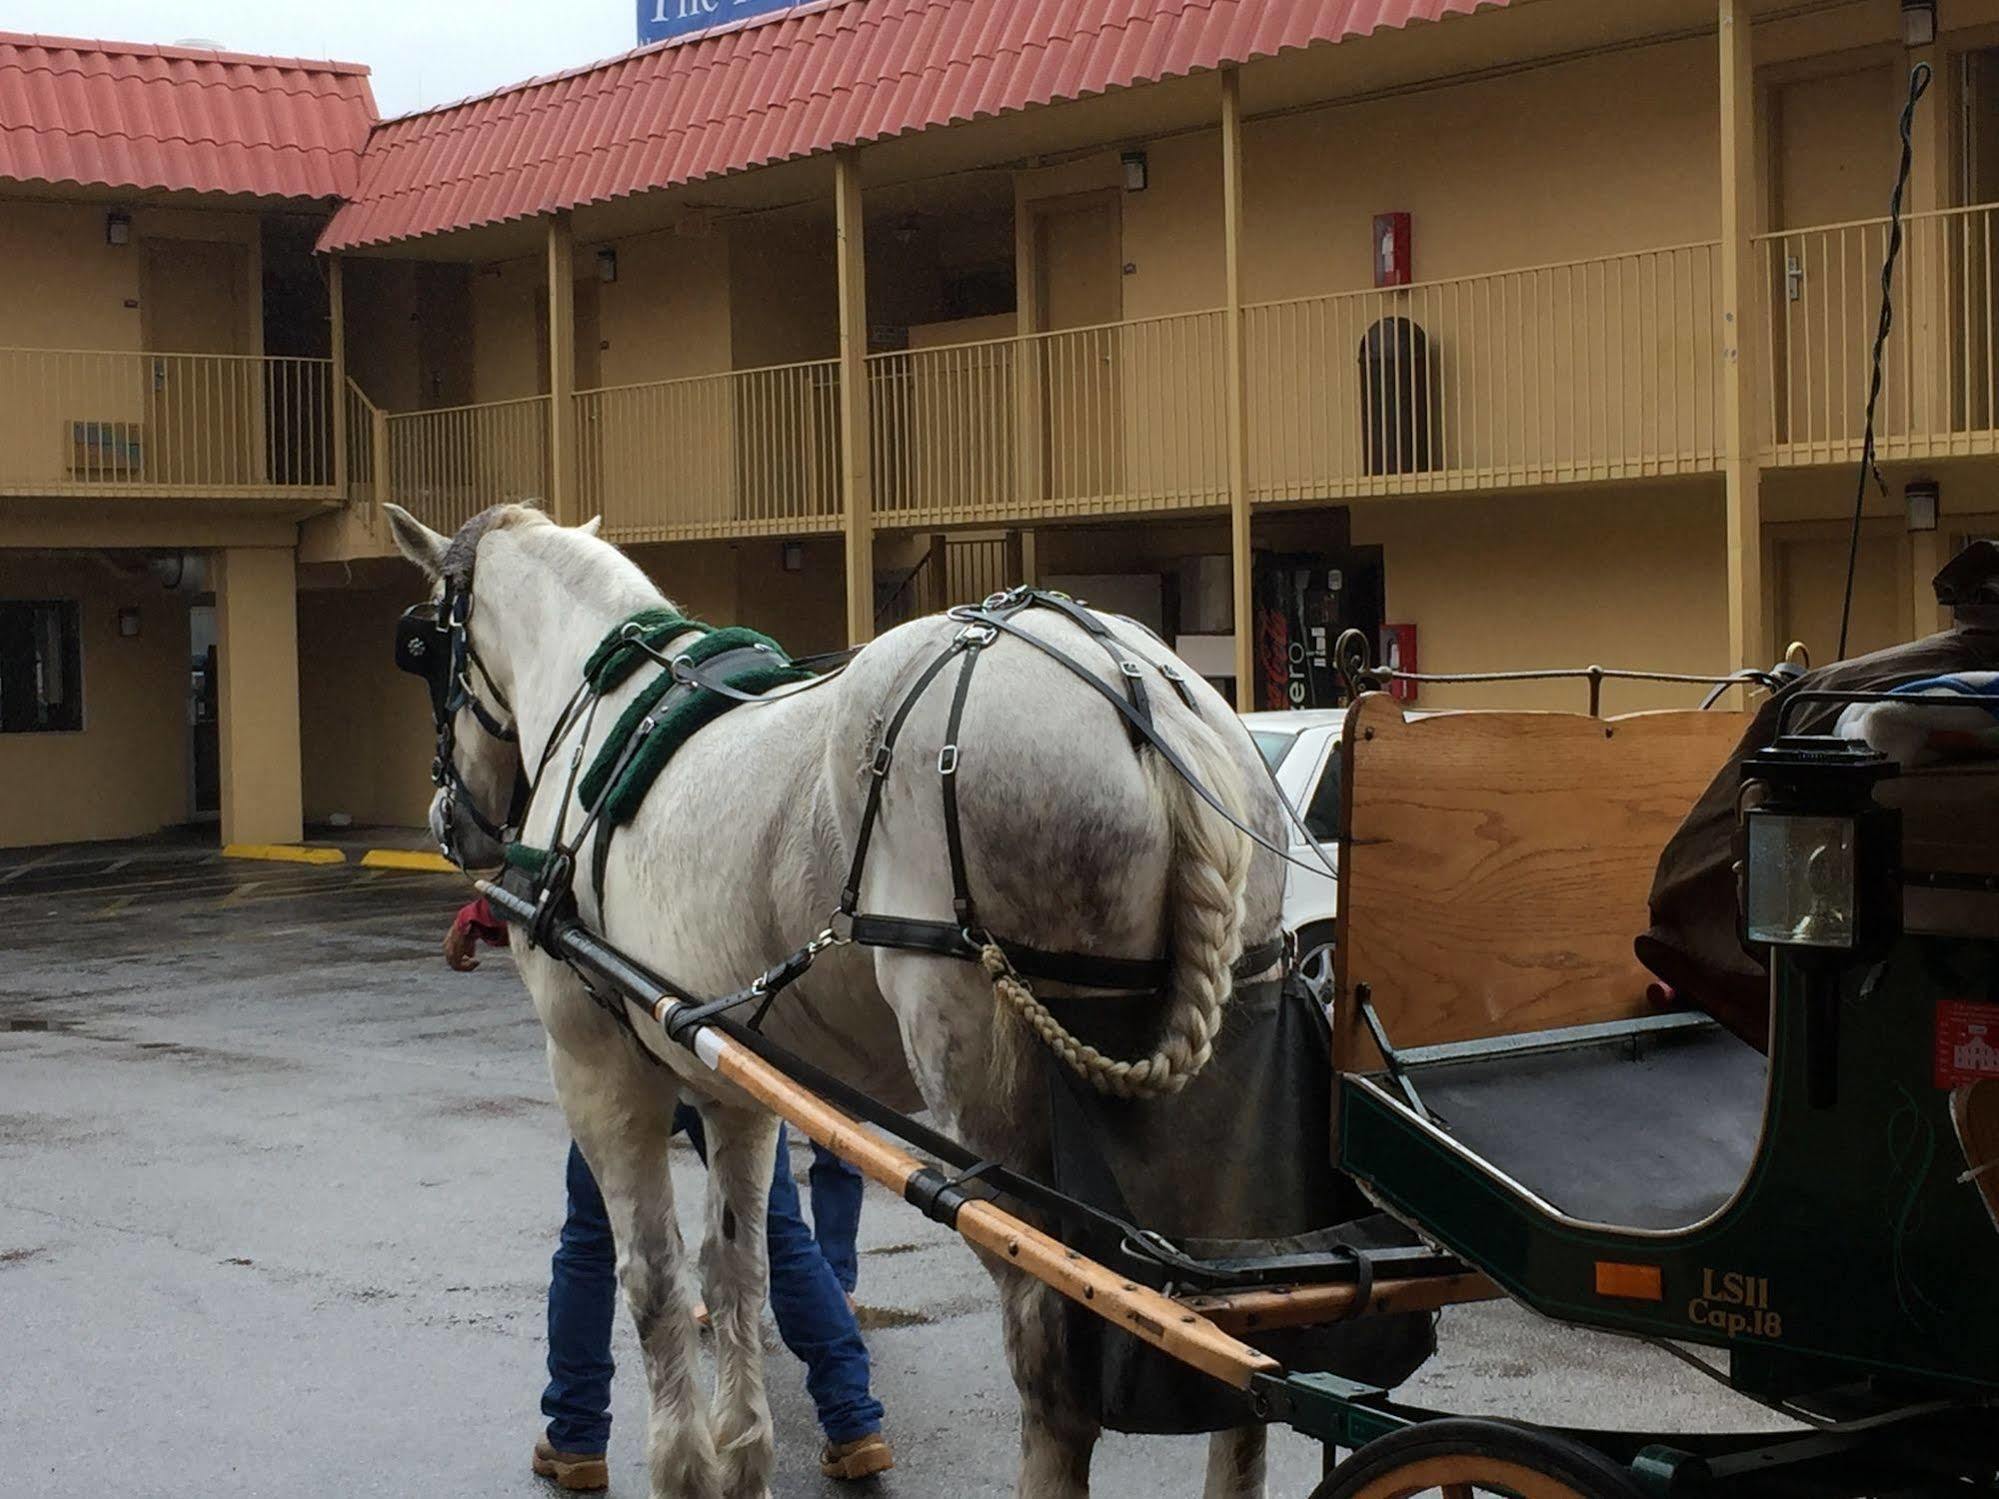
x=1074, y=842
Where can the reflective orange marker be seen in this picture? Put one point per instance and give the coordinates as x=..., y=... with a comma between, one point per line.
x=1629, y=1282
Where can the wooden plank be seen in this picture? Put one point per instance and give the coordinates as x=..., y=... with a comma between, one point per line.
x=1496, y=866
x=1311, y=1306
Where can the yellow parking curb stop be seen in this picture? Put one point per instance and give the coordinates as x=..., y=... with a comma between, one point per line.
x=407, y=858
x=284, y=853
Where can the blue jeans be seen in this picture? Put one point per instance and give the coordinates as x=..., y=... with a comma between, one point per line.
x=836, y=1214
x=806, y=1296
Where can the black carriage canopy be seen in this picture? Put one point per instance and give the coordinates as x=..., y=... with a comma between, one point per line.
x=1694, y=945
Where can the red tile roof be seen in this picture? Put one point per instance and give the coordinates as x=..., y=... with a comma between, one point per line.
x=115, y=114
x=846, y=73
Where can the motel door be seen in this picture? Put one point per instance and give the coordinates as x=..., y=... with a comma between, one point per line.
x=1811, y=585
x=1834, y=164
x=204, y=408
x=1081, y=268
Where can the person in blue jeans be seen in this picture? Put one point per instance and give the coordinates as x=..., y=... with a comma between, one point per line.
x=812, y=1276
x=809, y=1294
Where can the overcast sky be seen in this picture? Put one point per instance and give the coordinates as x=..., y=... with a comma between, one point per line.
x=422, y=52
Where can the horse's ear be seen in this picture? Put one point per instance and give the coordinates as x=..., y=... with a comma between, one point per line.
x=592, y=526
x=417, y=541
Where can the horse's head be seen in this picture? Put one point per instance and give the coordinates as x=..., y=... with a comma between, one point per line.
x=481, y=782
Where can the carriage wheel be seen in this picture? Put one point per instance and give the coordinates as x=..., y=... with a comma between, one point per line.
x=1461, y=1459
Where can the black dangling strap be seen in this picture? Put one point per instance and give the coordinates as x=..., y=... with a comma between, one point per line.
x=850, y=893
x=947, y=773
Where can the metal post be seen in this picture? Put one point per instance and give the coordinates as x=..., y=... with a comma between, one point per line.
x=336, y=307
x=1740, y=307
x=562, y=370
x=856, y=466
x=1237, y=415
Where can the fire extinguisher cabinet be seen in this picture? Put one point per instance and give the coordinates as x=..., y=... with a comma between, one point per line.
x=1395, y=398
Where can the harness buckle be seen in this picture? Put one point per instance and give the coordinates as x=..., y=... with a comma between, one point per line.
x=883, y=754
x=978, y=633
x=1171, y=672
x=1131, y=669
x=947, y=760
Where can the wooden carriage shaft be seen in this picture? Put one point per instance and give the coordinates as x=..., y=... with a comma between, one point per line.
x=1174, y=1329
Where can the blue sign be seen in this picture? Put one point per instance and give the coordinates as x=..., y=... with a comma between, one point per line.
x=668, y=20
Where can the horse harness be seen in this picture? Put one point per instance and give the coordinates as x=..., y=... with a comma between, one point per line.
x=723, y=669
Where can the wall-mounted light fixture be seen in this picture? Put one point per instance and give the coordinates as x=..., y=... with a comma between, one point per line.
x=1919, y=23
x=1921, y=497
x=792, y=554
x=607, y=265
x=1137, y=173
x=117, y=228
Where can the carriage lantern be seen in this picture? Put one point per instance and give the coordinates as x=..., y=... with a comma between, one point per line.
x=1822, y=853
x=1822, y=886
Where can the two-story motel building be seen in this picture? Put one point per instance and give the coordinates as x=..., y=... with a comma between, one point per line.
x=888, y=301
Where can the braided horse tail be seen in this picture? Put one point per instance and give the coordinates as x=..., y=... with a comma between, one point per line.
x=1207, y=872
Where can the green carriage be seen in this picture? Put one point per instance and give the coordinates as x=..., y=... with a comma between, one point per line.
x=1511, y=1086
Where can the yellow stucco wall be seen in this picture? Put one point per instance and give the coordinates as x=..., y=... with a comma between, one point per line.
x=1631, y=577
x=125, y=774
x=1508, y=172
x=667, y=314
x=506, y=333
x=364, y=726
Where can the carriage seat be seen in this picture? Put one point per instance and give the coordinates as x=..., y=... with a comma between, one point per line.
x=1494, y=868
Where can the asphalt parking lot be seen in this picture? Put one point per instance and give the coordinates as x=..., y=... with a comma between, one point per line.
x=278, y=1190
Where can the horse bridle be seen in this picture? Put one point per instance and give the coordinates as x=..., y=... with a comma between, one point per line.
x=434, y=642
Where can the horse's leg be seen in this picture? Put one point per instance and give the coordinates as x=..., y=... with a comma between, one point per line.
x=735, y=1278
x=620, y=1109
x=1058, y=1427
x=1235, y=1463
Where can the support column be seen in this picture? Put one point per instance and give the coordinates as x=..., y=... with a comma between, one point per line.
x=1937, y=252
x=1241, y=554
x=856, y=466
x=1741, y=308
x=1030, y=467
x=256, y=623
x=562, y=370
x=336, y=307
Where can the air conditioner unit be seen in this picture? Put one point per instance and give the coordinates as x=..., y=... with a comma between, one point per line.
x=105, y=448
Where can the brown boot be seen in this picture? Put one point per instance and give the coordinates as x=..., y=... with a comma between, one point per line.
x=861, y=1458
x=582, y=1472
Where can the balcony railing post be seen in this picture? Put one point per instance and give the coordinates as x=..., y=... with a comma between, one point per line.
x=1742, y=475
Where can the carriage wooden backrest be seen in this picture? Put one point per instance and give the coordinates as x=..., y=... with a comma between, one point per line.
x=1494, y=866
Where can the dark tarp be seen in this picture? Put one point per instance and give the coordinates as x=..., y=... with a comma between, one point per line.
x=1693, y=943
x=1238, y=1164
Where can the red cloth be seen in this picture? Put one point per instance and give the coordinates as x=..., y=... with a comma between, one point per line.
x=477, y=917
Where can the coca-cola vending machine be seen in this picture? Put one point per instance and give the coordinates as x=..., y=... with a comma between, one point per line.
x=1304, y=602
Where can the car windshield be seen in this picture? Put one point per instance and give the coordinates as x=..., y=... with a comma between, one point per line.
x=1274, y=744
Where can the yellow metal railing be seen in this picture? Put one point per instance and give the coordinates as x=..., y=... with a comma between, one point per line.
x=125, y=421
x=446, y=465
x=1122, y=417
x=1591, y=369
x=744, y=453
x=1940, y=367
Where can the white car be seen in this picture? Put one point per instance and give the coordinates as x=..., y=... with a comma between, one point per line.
x=1302, y=748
